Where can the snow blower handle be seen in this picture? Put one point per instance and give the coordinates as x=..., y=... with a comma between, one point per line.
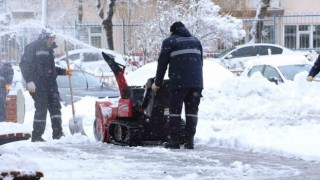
x=148, y=93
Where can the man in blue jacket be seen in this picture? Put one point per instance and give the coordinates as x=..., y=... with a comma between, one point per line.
x=6, y=76
x=39, y=71
x=184, y=54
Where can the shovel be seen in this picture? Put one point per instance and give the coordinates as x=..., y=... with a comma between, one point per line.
x=316, y=79
x=75, y=124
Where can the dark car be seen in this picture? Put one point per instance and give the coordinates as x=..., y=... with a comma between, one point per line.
x=84, y=84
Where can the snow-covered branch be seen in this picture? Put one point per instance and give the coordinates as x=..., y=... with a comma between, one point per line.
x=202, y=19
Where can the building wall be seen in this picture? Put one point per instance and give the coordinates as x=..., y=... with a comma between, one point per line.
x=301, y=6
x=131, y=16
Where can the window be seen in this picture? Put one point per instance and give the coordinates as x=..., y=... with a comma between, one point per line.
x=256, y=69
x=244, y=52
x=290, y=36
x=267, y=50
x=267, y=34
x=263, y=50
x=271, y=72
x=316, y=37
x=304, y=41
x=304, y=27
x=95, y=29
x=89, y=57
x=83, y=34
x=289, y=71
x=74, y=57
x=96, y=41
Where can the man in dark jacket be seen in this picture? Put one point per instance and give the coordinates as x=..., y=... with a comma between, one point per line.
x=184, y=54
x=314, y=70
x=39, y=71
x=6, y=76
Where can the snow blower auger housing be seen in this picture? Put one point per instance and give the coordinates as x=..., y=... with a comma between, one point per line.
x=140, y=117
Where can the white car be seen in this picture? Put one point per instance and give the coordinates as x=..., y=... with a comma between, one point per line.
x=90, y=60
x=235, y=57
x=278, y=68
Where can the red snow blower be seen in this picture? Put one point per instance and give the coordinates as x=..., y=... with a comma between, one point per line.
x=139, y=118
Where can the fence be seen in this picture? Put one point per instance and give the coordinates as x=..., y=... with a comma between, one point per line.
x=123, y=36
x=297, y=32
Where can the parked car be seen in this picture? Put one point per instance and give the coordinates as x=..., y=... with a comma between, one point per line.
x=90, y=60
x=235, y=57
x=84, y=84
x=278, y=68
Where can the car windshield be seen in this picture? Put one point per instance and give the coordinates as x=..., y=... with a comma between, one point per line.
x=79, y=80
x=289, y=71
x=223, y=53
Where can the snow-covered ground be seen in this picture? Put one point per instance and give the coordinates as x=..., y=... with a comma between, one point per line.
x=248, y=129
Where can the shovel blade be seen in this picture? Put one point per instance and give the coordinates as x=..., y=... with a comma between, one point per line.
x=76, y=126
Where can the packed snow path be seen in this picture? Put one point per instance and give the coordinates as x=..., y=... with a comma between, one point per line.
x=95, y=160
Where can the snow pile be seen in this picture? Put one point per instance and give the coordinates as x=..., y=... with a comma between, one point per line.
x=10, y=162
x=255, y=114
x=9, y=128
x=214, y=74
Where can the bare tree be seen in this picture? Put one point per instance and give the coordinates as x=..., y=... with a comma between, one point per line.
x=107, y=19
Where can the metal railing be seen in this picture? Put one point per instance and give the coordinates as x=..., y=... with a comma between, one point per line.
x=297, y=32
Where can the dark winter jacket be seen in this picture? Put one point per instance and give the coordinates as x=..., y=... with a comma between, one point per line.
x=37, y=65
x=184, y=54
x=316, y=68
x=6, y=75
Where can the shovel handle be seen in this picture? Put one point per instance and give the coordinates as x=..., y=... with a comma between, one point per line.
x=316, y=79
x=70, y=82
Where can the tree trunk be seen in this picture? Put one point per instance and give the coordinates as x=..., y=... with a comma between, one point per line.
x=259, y=26
x=80, y=11
x=107, y=22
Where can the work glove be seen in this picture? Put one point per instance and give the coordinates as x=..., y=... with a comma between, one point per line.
x=69, y=72
x=8, y=86
x=31, y=87
x=309, y=78
x=154, y=88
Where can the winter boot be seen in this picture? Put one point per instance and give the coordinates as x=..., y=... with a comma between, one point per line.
x=56, y=128
x=189, y=143
x=171, y=145
x=191, y=125
x=38, y=130
x=58, y=136
x=37, y=139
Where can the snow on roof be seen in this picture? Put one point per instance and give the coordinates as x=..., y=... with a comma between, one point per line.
x=278, y=60
x=259, y=44
x=118, y=56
